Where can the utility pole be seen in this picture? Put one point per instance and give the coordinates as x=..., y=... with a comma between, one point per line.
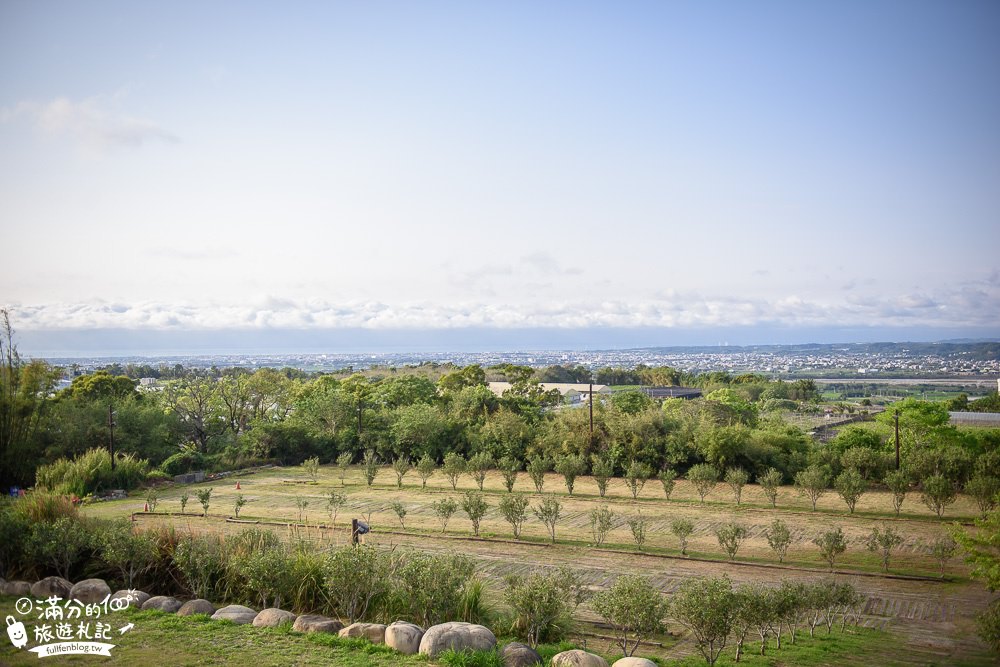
x=111, y=429
x=895, y=418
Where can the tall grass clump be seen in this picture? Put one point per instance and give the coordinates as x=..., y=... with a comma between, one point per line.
x=91, y=472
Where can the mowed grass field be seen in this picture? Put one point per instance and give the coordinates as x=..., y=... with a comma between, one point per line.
x=926, y=620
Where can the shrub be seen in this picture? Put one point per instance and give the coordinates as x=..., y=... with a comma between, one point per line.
x=201, y=563
x=601, y=522
x=91, y=472
x=543, y=604
x=668, y=478
x=602, y=469
x=443, y=510
x=736, y=479
x=13, y=528
x=570, y=467
x=42, y=506
x=356, y=576
x=301, y=504
x=514, y=510
x=311, y=468
x=704, y=478
x=184, y=501
x=474, y=506
x=984, y=489
x=343, y=462
x=185, y=461
x=58, y=544
x=633, y=608
x=204, y=498
x=943, y=550
x=238, y=504
x=400, y=511
x=432, y=586
x=548, y=512
x=638, y=527
x=264, y=576
x=682, y=529
x=470, y=658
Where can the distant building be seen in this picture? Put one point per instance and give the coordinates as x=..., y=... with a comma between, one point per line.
x=571, y=393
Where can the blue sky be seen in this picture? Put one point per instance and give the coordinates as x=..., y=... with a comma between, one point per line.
x=673, y=169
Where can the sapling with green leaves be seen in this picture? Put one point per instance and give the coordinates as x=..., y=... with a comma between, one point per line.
x=704, y=477
x=736, y=479
x=682, y=529
x=334, y=501
x=514, y=509
x=479, y=466
x=548, y=512
x=301, y=504
x=636, y=475
x=769, y=483
x=883, y=541
x=943, y=550
x=509, y=468
x=899, y=484
x=601, y=522
x=184, y=501
x=152, y=499
x=453, y=467
x=311, y=468
x=731, y=536
x=401, y=466
x=813, y=483
x=668, y=478
x=570, y=467
x=937, y=492
x=238, y=504
x=443, y=510
x=832, y=544
x=638, y=527
x=779, y=538
x=850, y=485
x=475, y=507
x=400, y=511
x=425, y=469
x=343, y=463
x=370, y=466
x=205, y=498
x=602, y=469
x=537, y=467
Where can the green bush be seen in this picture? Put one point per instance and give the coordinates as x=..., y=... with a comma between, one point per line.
x=182, y=462
x=91, y=472
x=469, y=658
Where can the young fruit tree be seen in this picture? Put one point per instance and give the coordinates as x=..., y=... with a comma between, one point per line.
x=509, y=468
x=478, y=467
x=736, y=479
x=425, y=469
x=602, y=469
x=633, y=608
x=548, y=512
x=850, y=485
x=730, y=537
x=883, y=542
x=444, y=509
x=571, y=467
x=682, y=529
x=831, y=545
x=370, y=466
x=779, y=538
x=343, y=462
x=401, y=466
x=769, y=483
x=704, y=477
x=514, y=510
x=537, y=467
x=898, y=484
x=707, y=608
x=601, y=522
x=475, y=508
x=812, y=482
x=937, y=492
x=668, y=478
x=635, y=477
x=453, y=467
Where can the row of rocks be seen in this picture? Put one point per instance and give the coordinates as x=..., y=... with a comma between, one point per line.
x=401, y=636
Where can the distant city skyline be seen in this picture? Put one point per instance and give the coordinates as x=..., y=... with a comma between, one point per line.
x=497, y=175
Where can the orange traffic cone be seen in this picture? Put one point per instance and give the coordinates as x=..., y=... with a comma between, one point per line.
x=237, y=486
x=146, y=508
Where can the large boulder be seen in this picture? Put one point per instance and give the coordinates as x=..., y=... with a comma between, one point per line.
x=272, y=618
x=17, y=588
x=316, y=623
x=90, y=590
x=50, y=586
x=162, y=603
x=457, y=636
x=236, y=613
x=516, y=654
x=577, y=658
x=373, y=632
x=199, y=606
x=404, y=637
x=131, y=598
x=633, y=662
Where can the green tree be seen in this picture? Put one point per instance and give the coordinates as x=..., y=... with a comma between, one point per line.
x=443, y=510
x=943, y=550
x=370, y=466
x=985, y=490
x=737, y=478
x=899, y=485
x=638, y=527
x=603, y=469
x=238, y=504
x=883, y=542
x=682, y=529
x=343, y=462
x=514, y=510
x=311, y=468
x=537, y=467
x=770, y=482
x=454, y=466
x=633, y=608
x=706, y=607
x=636, y=475
x=132, y=554
x=570, y=467
x=548, y=511
x=401, y=466
x=982, y=551
x=184, y=501
x=937, y=492
x=832, y=544
x=731, y=536
x=704, y=478
x=478, y=467
x=425, y=469
x=204, y=498
x=850, y=485
x=601, y=522
x=668, y=478
x=779, y=538
x=355, y=576
x=812, y=482
x=475, y=507
x=334, y=502
x=509, y=468
x=399, y=509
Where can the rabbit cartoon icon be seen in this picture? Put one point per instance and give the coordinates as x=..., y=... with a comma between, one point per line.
x=15, y=630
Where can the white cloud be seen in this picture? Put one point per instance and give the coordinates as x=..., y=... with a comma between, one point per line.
x=969, y=308
x=93, y=122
